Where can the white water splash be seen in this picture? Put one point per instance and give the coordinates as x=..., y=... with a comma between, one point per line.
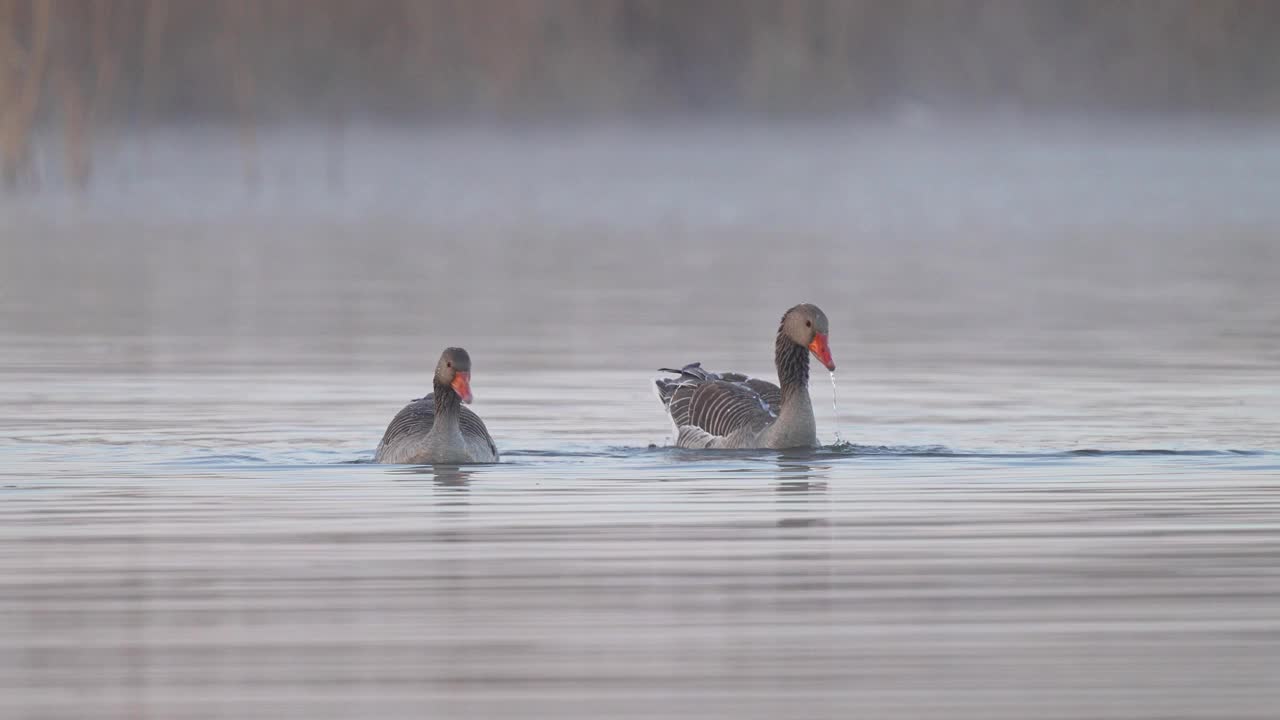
x=835, y=411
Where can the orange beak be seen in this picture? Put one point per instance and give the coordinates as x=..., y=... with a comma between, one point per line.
x=822, y=350
x=462, y=385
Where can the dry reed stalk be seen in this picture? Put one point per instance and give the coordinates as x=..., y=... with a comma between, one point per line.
x=155, y=18
x=11, y=66
x=10, y=78
x=83, y=113
x=243, y=15
x=22, y=88
x=75, y=123
x=106, y=55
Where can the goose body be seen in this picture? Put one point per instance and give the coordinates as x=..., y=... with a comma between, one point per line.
x=732, y=410
x=437, y=428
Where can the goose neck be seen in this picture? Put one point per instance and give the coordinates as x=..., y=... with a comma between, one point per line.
x=447, y=402
x=793, y=367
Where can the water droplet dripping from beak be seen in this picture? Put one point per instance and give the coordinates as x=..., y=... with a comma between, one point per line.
x=835, y=410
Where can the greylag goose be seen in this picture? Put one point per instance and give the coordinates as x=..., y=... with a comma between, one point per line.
x=731, y=410
x=437, y=428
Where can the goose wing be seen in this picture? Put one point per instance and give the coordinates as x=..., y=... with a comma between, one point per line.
x=770, y=393
x=473, y=427
x=414, y=420
x=718, y=405
x=417, y=418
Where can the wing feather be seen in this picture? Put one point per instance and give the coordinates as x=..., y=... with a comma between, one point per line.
x=472, y=426
x=718, y=405
x=417, y=418
x=414, y=420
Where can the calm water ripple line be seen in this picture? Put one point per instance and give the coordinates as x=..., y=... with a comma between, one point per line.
x=1060, y=497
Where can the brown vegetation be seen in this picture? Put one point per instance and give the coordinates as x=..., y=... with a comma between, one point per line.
x=79, y=62
x=22, y=73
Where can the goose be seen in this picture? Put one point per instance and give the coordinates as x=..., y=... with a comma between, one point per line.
x=731, y=410
x=437, y=428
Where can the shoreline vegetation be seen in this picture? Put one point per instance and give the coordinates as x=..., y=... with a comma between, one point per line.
x=83, y=67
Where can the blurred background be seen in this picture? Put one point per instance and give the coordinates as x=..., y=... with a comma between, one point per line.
x=235, y=236
x=1012, y=176
x=84, y=69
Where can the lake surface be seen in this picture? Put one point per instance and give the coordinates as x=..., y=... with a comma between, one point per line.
x=1057, y=349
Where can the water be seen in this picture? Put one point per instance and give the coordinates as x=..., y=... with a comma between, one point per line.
x=1060, y=499
x=835, y=409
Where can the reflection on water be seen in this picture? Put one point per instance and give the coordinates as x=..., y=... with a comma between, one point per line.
x=794, y=473
x=757, y=585
x=1059, y=498
x=444, y=476
x=802, y=493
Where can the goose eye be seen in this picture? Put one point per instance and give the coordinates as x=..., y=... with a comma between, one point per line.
x=448, y=364
x=808, y=323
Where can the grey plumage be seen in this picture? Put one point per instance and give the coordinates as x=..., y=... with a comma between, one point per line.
x=437, y=428
x=718, y=405
x=732, y=410
x=417, y=418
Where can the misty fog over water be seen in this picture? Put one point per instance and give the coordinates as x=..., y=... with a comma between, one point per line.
x=1057, y=354
x=234, y=238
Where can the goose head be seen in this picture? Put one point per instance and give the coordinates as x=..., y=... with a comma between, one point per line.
x=454, y=370
x=806, y=325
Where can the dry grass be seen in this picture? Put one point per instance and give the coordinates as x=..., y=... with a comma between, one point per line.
x=86, y=63
x=22, y=72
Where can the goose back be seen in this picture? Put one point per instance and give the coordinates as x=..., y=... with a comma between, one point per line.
x=408, y=436
x=718, y=410
x=732, y=410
